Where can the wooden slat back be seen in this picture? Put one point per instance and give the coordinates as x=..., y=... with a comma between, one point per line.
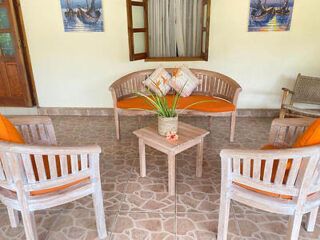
x=211, y=84
x=285, y=132
x=35, y=130
x=315, y=183
x=41, y=170
x=307, y=90
x=271, y=174
x=5, y=173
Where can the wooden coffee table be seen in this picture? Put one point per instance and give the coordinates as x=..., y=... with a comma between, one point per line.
x=189, y=136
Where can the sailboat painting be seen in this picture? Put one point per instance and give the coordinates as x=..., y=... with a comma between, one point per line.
x=82, y=15
x=270, y=15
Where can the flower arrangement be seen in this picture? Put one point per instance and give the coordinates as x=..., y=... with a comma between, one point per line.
x=167, y=115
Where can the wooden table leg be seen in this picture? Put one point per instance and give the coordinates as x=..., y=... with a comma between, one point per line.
x=142, y=157
x=171, y=174
x=199, y=159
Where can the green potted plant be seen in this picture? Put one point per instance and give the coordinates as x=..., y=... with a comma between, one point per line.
x=167, y=115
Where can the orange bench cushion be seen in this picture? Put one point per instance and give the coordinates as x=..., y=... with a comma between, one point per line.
x=9, y=133
x=219, y=105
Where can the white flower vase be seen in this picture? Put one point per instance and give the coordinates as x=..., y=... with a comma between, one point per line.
x=167, y=124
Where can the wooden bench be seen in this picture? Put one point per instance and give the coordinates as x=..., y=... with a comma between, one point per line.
x=212, y=85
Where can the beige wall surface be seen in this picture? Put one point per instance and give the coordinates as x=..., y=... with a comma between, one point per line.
x=76, y=69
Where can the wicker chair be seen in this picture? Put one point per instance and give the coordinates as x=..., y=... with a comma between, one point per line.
x=79, y=167
x=306, y=90
x=303, y=178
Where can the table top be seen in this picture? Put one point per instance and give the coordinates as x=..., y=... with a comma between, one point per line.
x=188, y=137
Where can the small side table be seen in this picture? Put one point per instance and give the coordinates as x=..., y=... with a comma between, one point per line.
x=189, y=136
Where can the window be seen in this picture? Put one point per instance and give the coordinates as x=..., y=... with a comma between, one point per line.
x=168, y=30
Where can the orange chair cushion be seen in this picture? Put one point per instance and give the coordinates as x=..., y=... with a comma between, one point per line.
x=219, y=105
x=8, y=132
x=311, y=136
x=273, y=174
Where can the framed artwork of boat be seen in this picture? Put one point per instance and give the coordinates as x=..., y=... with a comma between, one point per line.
x=82, y=15
x=270, y=15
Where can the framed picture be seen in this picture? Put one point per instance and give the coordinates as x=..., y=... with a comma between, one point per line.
x=270, y=15
x=82, y=15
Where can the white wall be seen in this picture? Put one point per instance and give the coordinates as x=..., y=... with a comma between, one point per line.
x=76, y=69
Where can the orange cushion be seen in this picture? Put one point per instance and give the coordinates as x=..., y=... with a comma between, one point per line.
x=56, y=188
x=311, y=136
x=219, y=105
x=47, y=170
x=8, y=132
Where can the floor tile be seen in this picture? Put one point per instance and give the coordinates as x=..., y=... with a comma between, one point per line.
x=44, y=221
x=144, y=226
x=202, y=226
x=78, y=224
x=148, y=195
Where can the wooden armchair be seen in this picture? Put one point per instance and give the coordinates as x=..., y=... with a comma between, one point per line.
x=298, y=194
x=306, y=90
x=36, y=177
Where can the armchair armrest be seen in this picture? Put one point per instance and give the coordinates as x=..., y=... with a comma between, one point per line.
x=49, y=150
x=287, y=90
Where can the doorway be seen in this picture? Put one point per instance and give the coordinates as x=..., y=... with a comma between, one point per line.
x=17, y=87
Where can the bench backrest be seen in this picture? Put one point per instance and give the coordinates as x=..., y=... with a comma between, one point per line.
x=211, y=84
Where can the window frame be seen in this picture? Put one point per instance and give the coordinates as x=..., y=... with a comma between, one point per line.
x=145, y=55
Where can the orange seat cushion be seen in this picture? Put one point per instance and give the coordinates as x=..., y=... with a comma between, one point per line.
x=311, y=136
x=218, y=105
x=47, y=170
x=9, y=133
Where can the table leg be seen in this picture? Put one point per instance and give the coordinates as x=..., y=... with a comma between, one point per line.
x=199, y=158
x=142, y=158
x=171, y=174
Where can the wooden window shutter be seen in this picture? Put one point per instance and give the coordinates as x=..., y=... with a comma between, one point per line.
x=205, y=19
x=137, y=12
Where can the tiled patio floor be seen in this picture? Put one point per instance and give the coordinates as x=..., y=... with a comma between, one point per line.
x=139, y=208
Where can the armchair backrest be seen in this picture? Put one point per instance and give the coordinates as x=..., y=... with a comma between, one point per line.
x=284, y=132
x=268, y=171
x=35, y=130
x=244, y=167
x=307, y=90
x=22, y=166
x=39, y=166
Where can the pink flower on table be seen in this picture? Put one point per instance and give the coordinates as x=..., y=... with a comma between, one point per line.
x=172, y=136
